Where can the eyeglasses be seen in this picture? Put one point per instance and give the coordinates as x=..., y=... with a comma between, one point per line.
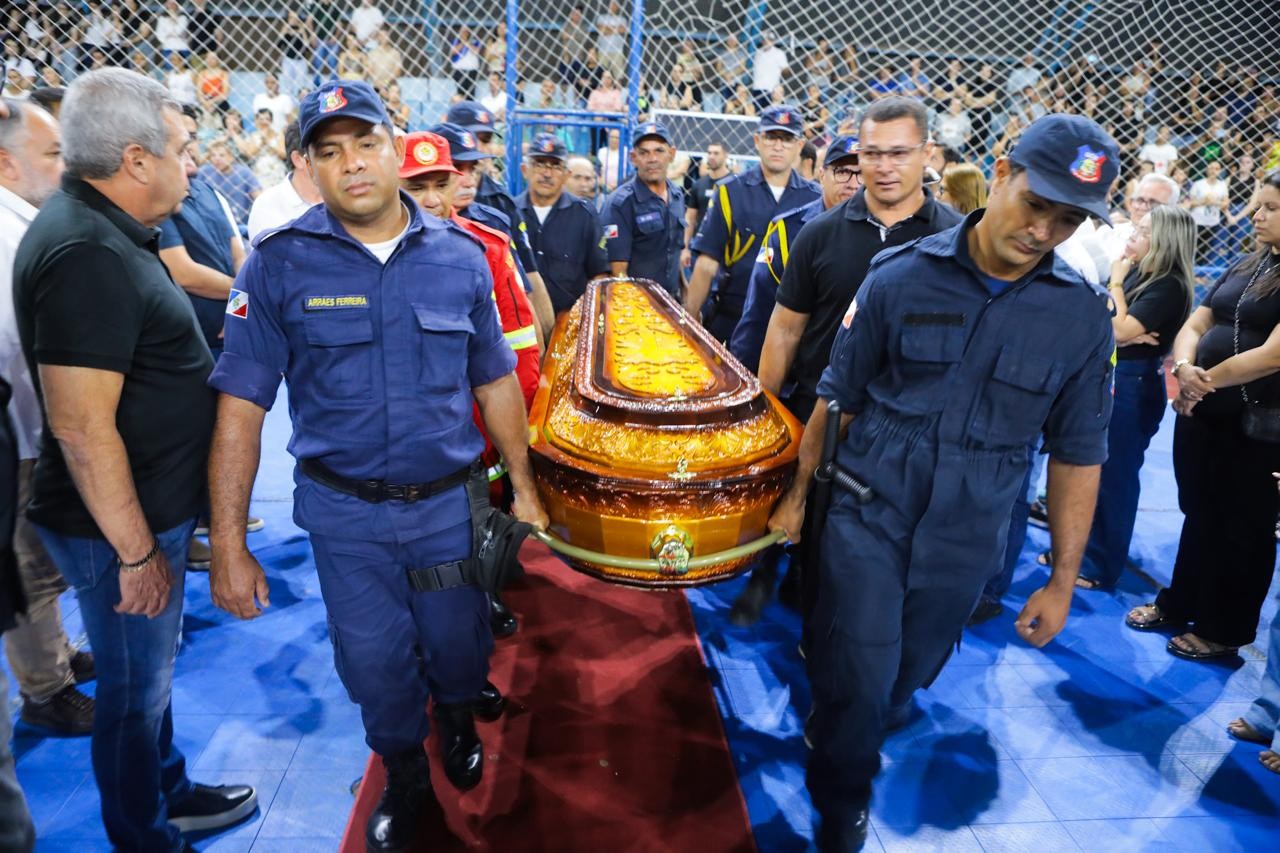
x=843, y=174
x=1144, y=203
x=896, y=156
x=547, y=166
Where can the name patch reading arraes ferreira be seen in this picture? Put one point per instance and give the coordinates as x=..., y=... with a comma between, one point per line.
x=329, y=303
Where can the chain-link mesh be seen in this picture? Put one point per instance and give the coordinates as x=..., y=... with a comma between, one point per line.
x=1181, y=85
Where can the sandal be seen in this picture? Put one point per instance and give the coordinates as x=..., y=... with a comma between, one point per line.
x=1088, y=583
x=1148, y=617
x=1240, y=729
x=1198, y=649
x=1045, y=558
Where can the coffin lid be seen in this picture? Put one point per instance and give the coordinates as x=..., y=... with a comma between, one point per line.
x=640, y=358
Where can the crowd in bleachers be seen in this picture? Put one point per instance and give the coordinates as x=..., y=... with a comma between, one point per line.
x=1166, y=119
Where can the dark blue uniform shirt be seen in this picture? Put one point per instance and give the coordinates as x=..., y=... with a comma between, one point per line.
x=766, y=275
x=646, y=232
x=203, y=229
x=735, y=225
x=380, y=361
x=950, y=384
x=569, y=246
x=496, y=219
x=491, y=194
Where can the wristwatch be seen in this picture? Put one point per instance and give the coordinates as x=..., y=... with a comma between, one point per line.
x=1177, y=365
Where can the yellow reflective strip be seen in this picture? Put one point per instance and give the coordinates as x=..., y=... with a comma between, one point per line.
x=784, y=249
x=727, y=212
x=522, y=338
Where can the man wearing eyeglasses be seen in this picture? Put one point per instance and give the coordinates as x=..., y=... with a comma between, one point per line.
x=1151, y=192
x=738, y=216
x=840, y=178
x=832, y=253
x=564, y=230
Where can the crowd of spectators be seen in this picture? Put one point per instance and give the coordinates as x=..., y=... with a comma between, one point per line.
x=1215, y=134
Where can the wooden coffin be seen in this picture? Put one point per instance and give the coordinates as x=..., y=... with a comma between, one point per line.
x=649, y=440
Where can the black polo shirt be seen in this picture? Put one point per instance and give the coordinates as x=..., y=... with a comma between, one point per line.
x=829, y=258
x=90, y=291
x=569, y=246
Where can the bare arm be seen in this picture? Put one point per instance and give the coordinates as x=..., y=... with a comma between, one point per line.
x=507, y=423
x=788, y=515
x=786, y=328
x=196, y=279
x=1073, y=492
x=81, y=404
x=541, y=302
x=1249, y=365
x=704, y=272
x=235, y=576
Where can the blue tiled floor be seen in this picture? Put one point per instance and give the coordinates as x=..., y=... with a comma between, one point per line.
x=1100, y=742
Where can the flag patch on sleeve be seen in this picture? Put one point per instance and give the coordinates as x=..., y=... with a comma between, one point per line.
x=238, y=304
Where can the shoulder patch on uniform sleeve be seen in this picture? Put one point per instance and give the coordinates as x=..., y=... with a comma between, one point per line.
x=238, y=304
x=765, y=256
x=610, y=231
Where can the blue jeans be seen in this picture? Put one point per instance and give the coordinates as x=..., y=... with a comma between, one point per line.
x=138, y=769
x=1264, y=713
x=1140, y=400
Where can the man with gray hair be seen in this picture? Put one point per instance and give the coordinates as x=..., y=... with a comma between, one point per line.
x=1151, y=192
x=43, y=662
x=120, y=366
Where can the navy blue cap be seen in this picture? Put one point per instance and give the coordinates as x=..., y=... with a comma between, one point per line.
x=463, y=145
x=548, y=145
x=782, y=117
x=339, y=99
x=840, y=148
x=474, y=117
x=1069, y=159
x=651, y=128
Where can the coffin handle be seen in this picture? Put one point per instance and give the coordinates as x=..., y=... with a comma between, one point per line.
x=644, y=564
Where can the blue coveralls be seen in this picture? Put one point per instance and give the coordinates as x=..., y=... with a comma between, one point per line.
x=569, y=246
x=380, y=362
x=646, y=232
x=748, y=337
x=731, y=233
x=948, y=385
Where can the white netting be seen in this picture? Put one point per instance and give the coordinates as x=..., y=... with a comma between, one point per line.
x=1208, y=72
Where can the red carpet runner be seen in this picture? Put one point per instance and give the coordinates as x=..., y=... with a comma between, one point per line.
x=611, y=740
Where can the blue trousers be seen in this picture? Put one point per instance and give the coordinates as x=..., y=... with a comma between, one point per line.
x=138, y=768
x=874, y=640
x=1140, y=401
x=999, y=585
x=394, y=647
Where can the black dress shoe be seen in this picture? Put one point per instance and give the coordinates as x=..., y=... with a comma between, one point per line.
x=82, y=668
x=213, y=807
x=843, y=836
x=986, y=610
x=489, y=705
x=461, y=752
x=393, y=825
x=501, y=620
x=67, y=712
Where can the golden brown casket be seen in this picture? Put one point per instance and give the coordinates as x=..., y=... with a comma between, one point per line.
x=649, y=440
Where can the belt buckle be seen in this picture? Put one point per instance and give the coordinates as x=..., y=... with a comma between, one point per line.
x=414, y=493
x=371, y=491
x=395, y=493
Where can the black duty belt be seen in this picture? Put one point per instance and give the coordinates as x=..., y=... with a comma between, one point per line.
x=377, y=491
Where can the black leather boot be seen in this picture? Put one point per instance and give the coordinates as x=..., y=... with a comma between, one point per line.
x=501, y=620
x=489, y=705
x=461, y=752
x=394, y=822
x=846, y=836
